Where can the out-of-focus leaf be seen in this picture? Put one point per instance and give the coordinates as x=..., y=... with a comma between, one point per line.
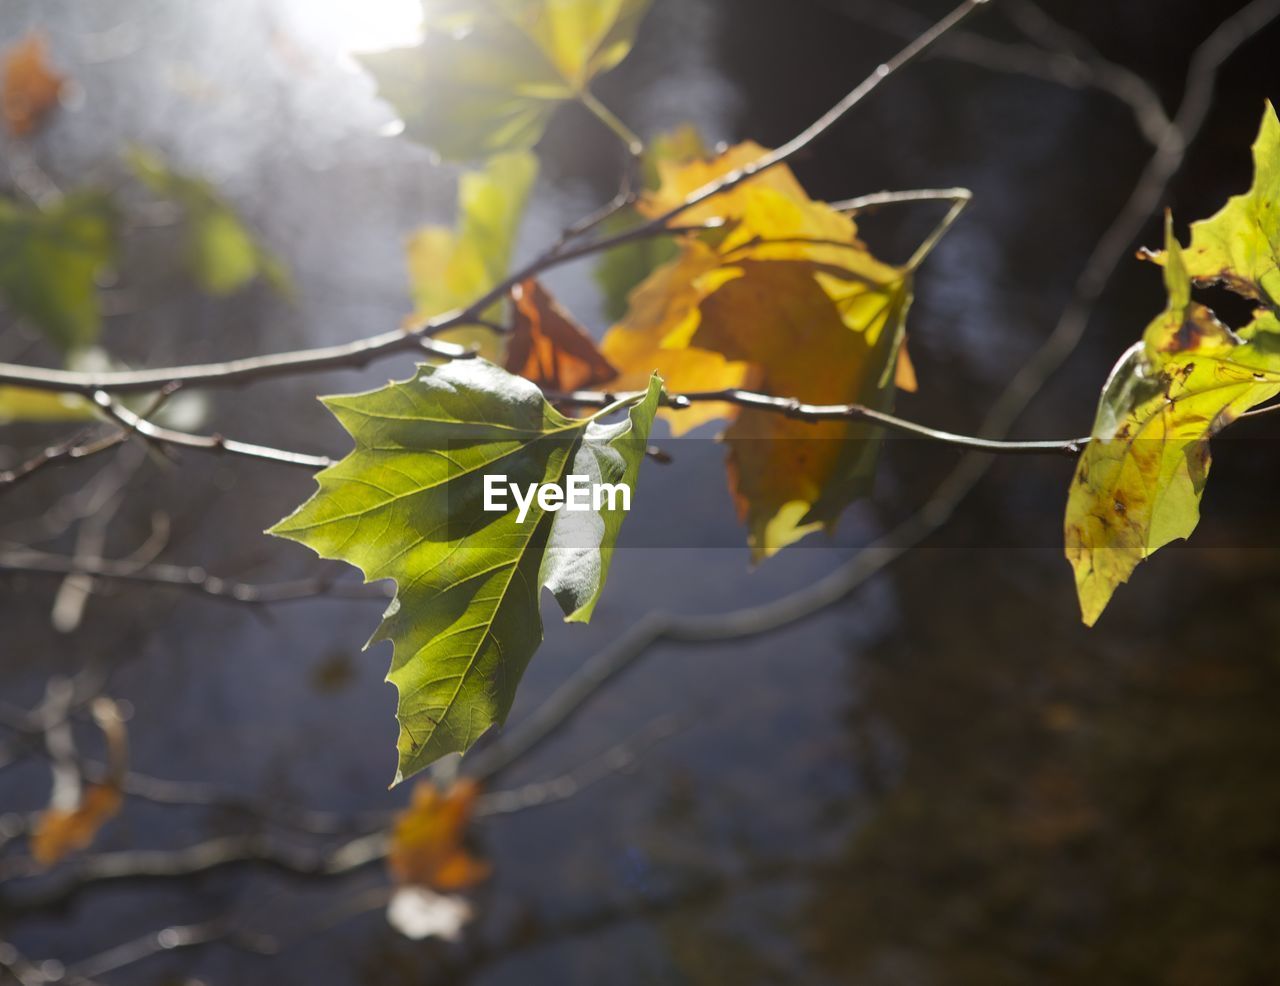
x=186, y=411
x=408, y=504
x=451, y=268
x=785, y=296
x=1240, y=245
x=621, y=270
x=29, y=85
x=222, y=254
x=60, y=832
x=1138, y=484
x=63, y=829
x=904, y=373
x=548, y=347
x=50, y=260
x=488, y=76
x=25, y=404
x=427, y=839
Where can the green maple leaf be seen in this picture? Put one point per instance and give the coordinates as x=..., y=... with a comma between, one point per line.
x=407, y=504
x=50, y=261
x=1138, y=483
x=221, y=253
x=489, y=75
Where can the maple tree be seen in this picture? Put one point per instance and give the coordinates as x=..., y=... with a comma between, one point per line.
x=736, y=297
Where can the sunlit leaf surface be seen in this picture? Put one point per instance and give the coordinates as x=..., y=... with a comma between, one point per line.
x=451, y=267
x=784, y=297
x=548, y=347
x=1138, y=485
x=488, y=76
x=408, y=504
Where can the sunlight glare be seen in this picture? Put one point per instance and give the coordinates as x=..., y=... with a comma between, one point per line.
x=366, y=25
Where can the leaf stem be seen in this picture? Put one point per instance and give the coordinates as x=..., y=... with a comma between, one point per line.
x=633, y=144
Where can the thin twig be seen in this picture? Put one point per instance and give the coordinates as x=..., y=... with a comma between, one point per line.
x=74, y=449
x=205, y=443
x=418, y=336
x=169, y=939
x=1062, y=56
x=792, y=408
x=192, y=578
x=659, y=627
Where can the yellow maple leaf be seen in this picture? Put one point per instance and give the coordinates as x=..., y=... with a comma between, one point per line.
x=666, y=301
x=680, y=176
x=785, y=297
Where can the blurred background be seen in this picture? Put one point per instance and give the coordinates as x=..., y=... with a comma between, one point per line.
x=941, y=779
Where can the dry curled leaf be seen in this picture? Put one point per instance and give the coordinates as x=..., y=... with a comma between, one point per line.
x=548, y=347
x=427, y=840
x=29, y=86
x=60, y=832
x=66, y=828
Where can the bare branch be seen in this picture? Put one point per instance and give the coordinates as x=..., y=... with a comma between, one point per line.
x=192, y=578
x=73, y=449
x=206, y=443
x=418, y=336
x=167, y=940
x=792, y=408
x=658, y=627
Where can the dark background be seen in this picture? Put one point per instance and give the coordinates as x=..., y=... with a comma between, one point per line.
x=944, y=779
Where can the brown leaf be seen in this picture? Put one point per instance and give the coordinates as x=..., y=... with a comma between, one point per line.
x=427, y=839
x=29, y=86
x=60, y=832
x=548, y=347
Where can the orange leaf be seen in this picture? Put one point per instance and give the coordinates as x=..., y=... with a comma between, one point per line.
x=29, y=87
x=904, y=373
x=783, y=471
x=427, y=839
x=548, y=347
x=660, y=307
x=787, y=297
x=60, y=832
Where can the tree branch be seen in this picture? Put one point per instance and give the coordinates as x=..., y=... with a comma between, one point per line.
x=659, y=627
x=74, y=449
x=135, y=423
x=191, y=578
x=792, y=408
x=418, y=336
